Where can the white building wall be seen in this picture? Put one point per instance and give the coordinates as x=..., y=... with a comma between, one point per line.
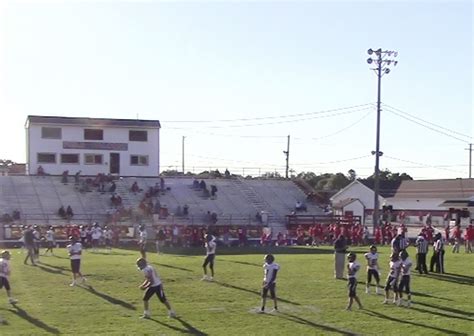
x=36, y=144
x=359, y=191
x=357, y=209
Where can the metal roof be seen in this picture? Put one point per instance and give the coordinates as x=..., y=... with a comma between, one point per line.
x=96, y=122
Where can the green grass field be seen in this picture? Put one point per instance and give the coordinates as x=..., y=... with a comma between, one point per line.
x=312, y=302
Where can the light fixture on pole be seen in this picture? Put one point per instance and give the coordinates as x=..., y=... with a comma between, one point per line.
x=382, y=61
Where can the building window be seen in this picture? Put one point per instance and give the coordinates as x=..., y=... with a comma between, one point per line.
x=138, y=136
x=93, y=134
x=139, y=160
x=69, y=158
x=46, y=158
x=51, y=132
x=93, y=159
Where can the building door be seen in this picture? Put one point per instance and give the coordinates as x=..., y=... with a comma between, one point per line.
x=114, y=163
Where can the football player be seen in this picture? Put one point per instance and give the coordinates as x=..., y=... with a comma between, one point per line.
x=270, y=270
x=210, y=246
x=5, y=274
x=142, y=240
x=153, y=285
x=75, y=252
x=372, y=269
x=352, y=269
x=392, y=278
x=50, y=240
x=405, y=281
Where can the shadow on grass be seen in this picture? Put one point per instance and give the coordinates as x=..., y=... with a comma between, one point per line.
x=430, y=296
x=173, y=267
x=326, y=328
x=189, y=329
x=431, y=312
x=222, y=250
x=242, y=263
x=50, y=270
x=59, y=268
x=391, y=318
x=251, y=291
x=23, y=314
x=449, y=309
x=108, y=298
x=59, y=257
x=462, y=280
x=112, y=253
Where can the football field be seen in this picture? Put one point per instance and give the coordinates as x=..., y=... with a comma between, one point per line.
x=311, y=302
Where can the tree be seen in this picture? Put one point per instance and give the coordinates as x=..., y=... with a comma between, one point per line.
x=351, y=175
x=6, y=163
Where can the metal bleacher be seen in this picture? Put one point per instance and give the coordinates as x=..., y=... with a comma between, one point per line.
x=237, y=200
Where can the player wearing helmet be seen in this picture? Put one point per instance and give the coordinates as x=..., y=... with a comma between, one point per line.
x=210, y=246
x=352, y=269
x=270, y=270
x=372, y=269
x=392, y=278
x=50, y=240
x=5, y=274
x=405, y=281
x=153, y=285
x=75, y=252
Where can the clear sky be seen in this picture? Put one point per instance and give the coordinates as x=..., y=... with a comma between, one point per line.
x=236, y=78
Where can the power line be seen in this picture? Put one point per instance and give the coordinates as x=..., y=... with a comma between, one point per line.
x=270, y=117
x=422, y=164
x=427, y=122
x=278, y=122
x=419, y=123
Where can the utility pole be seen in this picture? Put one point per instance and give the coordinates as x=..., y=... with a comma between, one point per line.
x=182, y=157
x=382, y=60
x=287, y=153
x=470, y=159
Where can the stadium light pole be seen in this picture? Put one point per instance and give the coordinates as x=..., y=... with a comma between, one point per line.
x=382, y=59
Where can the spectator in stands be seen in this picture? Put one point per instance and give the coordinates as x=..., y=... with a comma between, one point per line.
x=69, y=212
x=202, y=185
x=40, y=171
x=300, y=206
x=64, y=177
x=205, y=193
x=77, y=176
x=196, y=184
x=16, y=214
x=213, y=191
x=112, y=187
x=185, y=210
x=62, y=212
x=135, y=188
x=227, y=173
x=160, y=240
x=162, y=184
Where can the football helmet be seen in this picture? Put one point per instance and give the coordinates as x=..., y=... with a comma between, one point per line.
x=269, y=258
x=403, y=254
x=5, y=254
x=373, y=248
x=351, y=256
x=141, y=263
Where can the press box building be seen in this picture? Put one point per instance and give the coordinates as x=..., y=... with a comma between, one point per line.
x=125, y=147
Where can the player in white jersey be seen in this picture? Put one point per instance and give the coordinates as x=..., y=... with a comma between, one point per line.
x=392, y=278
x=352, y=268
x=405, y=281
x=143, y=236
x=210, y=246
x=270, y=270
x=96, y=234
x=5, y=274
x=75, y=252
x=152, y=285
x=107, y=238
x=372, y=269
x=50, y=240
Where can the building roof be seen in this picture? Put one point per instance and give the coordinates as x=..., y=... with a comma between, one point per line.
x=345, y=202
x=386, y=188
x=445, y=189
x=96, y=122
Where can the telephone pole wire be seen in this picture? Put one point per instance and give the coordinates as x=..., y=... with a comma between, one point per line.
x=382, y=60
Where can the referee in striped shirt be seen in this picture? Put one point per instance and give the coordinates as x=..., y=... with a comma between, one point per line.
x=421, y=251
